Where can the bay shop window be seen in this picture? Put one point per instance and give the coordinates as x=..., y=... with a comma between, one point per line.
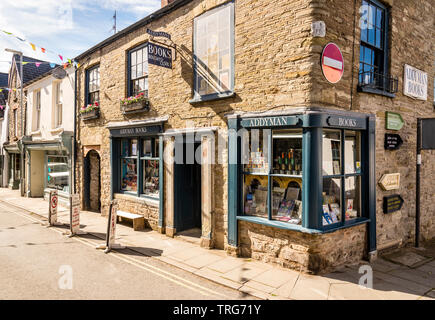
x=311, y=172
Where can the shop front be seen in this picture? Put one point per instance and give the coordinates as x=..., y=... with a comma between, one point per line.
x=301, y=187
x=53, y=159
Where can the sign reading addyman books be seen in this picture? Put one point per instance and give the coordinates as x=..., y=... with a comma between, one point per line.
x=159, y=56
x=414, y=83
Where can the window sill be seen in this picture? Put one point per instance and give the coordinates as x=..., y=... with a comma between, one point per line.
x=299, y=228
x=56, y=130
x=35, y=133
x=366, y=89
x=152, y=202
x=212, y=97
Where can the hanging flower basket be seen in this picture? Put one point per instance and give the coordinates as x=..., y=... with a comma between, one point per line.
x=135, y=104
x=91, y=111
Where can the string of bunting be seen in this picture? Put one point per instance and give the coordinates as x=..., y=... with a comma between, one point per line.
x=43, y=50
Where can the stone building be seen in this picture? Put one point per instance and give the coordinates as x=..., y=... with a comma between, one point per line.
x=3, y=127
x=287, y=131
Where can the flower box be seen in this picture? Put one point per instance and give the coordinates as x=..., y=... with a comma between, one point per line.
x=89, y=115
x=91, y=111
x=139, y=103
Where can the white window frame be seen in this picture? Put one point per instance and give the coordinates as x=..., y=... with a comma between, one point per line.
x=58, y=104
x=225, y=67
x=37, y=109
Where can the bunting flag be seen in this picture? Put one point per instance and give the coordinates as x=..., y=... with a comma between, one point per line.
x=43, y=50
x=37, y=64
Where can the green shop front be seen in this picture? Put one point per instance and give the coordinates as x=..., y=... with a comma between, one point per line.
x=302, y=187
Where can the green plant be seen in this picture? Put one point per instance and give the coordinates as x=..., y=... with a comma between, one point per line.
x=89, y=107
x=134, y=99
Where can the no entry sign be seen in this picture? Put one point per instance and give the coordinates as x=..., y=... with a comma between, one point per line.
x=332, y=63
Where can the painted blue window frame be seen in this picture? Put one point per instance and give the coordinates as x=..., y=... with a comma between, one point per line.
x=139, y=157
x=312, y=125
x=226, y=94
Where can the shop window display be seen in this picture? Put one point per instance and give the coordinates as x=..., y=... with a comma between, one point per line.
x=57, y=173
x=129, y=165
x=150, y=165
x=285, y=175
x=341, y=183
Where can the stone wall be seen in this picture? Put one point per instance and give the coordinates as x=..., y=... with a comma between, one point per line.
x=94, y=184
x=311, y=253
x=411, y=27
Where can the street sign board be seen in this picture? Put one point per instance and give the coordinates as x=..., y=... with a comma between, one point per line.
x=159, y=56
x=75, y=213
x=158, y=33
x=110, y=237
x=393, y=121
x=390, y=181
x=52, y=211
x=392, y=141
x=392, y=203
x=428, y=134
x=332, y=63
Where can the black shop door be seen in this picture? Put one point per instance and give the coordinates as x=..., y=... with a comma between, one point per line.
x=187, y=187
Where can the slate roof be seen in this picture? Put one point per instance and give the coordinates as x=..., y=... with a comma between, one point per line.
x=31, y=71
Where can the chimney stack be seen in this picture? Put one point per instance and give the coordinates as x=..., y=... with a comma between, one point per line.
x=166, y=2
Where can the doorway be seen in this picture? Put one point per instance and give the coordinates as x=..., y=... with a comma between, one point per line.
x=92, y=185
x=187, y=188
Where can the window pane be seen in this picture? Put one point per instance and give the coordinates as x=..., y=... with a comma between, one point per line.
x=133, y=72
x=133, y=58
x=147, y=148
x=255, y=195
x=156, y=148
x=378, y=38
x=129, y=174
x=139, y=70
x=368, y=55
x=286, y=200
x=331, y=152
x=255, y=151
x=58, y=173
x=352, y=152
x=353, y=197
x=151, y=177
x=379, y=18
x=287, y=152
x=124, y=148
x=133, y=147
x=331, y=212
x=371, y=35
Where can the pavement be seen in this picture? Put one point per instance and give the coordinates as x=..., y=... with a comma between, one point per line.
x=407, y=274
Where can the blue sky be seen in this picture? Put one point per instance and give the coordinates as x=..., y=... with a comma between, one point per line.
x=67, y=27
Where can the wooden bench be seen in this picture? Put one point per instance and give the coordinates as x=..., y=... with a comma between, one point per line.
x=138, y=220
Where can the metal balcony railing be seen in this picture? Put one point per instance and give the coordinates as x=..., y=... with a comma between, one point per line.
x=378, y=81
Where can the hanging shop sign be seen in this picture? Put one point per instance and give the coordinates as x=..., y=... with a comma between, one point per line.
x=332, y=63
x=52, y=210
x=390, y=181
x=135, y=131
x=158, y=34
x=414, y=83
x=428, y=134
x=392, y=141
x=269, y=122
x=392, y=203
x=393, y=121
x=159, y=56
x=346, y=122
x=75, y=214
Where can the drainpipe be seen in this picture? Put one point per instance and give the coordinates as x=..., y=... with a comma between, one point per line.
x=74, y=142
x=22, y=127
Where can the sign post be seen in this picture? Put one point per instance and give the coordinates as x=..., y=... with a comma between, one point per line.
x=394, y=121
x=390, y=181
x=332, y=63
x=392, y=141
x=52, y=208
x=111, y=231
x=392, y=203
x=74, y=214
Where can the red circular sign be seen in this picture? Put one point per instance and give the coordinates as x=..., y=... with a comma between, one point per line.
x=332, y=63
x=54, y=202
